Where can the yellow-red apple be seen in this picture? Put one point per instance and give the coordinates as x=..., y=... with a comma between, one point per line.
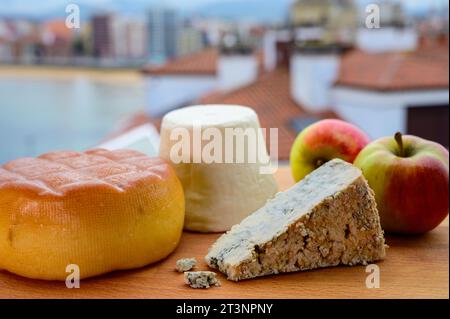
x=409, y=176
x=324, y=141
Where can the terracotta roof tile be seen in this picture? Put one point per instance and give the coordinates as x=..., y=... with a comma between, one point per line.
x=203, y=62
x=421, y=69
x=270, y=97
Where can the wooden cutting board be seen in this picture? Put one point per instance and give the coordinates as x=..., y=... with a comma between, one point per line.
x=415, y=267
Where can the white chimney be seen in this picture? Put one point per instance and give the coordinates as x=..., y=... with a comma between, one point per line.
x=312, y=76
x=236, y=70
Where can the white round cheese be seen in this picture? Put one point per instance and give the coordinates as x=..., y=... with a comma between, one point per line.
x=219, y=153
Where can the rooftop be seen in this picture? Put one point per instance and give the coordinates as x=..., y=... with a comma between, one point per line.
x=200, y=63
x=203, y=62
x=425, y=68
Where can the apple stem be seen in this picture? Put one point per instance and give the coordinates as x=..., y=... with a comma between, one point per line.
x=399, y=140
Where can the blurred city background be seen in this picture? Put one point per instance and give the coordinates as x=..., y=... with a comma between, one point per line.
x=294, y=62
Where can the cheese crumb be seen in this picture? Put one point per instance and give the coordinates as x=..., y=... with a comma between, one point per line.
x=185, y=264
x=201, y=279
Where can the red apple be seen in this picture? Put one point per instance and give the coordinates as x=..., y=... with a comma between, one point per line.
x=409, y=176
x=324, y=141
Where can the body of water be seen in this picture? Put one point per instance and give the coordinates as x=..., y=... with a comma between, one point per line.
x=38, y=115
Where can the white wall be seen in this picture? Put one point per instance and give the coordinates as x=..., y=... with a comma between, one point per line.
x=382, y=113
x=270, y=50
x=165, y=92
x=312, y=76
x=386, y=39
x=235, y=71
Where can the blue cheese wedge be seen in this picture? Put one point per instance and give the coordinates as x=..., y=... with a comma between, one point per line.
x=201, y=279
x=327, y=219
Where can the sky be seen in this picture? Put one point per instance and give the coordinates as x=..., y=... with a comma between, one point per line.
x=36, y=8
x=28, y=6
